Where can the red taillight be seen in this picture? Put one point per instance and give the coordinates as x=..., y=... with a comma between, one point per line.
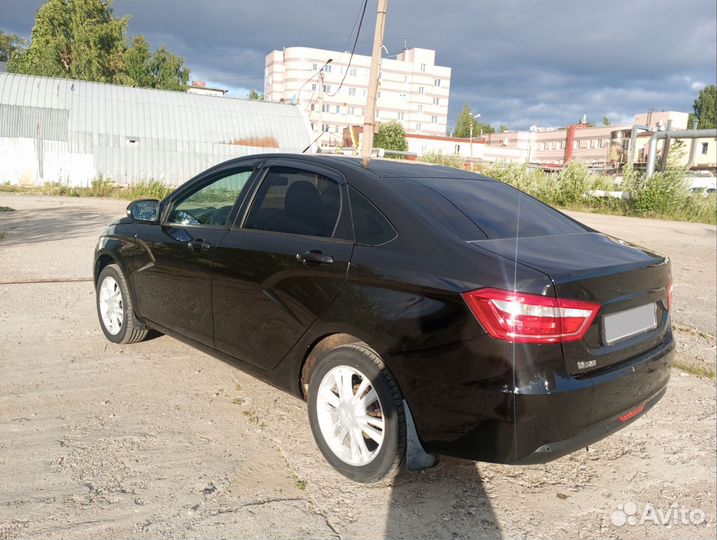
x=632, y=414
x=669, y=296
x=530, y=318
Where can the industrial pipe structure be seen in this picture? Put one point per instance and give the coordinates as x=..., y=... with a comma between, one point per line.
x=678, y=134
x=633, y=141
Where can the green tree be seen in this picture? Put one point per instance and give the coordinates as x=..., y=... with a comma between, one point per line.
x=464, y=121
x=78, y=39
x=503, y=128
x=138, y=64
x=169, y=71
x=82, y=39
x=9, y=44
x=606, y=121
x=705, y=107
x=255, y=96
x=391, y=136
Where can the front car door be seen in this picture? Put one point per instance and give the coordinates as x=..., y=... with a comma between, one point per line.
x=173, y=287
x=283, y=263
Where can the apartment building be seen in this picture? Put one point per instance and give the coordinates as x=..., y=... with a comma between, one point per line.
x=412, y=89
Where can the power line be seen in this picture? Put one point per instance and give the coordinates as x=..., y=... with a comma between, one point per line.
x=353, y=27
x=353, y=49
x=495, y=26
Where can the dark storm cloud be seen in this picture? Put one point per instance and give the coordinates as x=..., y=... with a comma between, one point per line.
x=543, y=63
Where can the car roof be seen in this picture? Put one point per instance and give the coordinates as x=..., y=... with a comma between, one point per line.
x=386, y=168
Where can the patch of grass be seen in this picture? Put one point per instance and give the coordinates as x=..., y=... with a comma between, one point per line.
x=100, y=187
x=238, y=401
x=683, y=328
x=694, y=369
x=300, y=483
x=6, y=209
x=253, y=417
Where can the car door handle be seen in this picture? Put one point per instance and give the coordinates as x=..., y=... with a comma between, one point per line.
x=314, y=256
x=199, y=244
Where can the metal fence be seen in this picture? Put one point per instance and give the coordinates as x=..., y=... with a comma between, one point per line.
x=68, y=131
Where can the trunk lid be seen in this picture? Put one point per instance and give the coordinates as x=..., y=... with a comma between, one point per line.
x=597, y=268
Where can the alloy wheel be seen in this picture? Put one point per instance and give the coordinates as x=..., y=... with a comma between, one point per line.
x=350, y=415
x=111, y=305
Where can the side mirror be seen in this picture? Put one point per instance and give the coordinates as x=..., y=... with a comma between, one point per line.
x=145, y=210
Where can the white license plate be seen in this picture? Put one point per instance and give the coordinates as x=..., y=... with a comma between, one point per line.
x=630, y=322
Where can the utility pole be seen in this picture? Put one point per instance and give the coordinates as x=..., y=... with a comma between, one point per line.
x=370, y=116
x=473, y=120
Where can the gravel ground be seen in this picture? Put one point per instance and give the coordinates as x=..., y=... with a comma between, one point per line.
x=159, y=440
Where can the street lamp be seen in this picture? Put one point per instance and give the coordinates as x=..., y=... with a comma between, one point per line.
x=475, y=117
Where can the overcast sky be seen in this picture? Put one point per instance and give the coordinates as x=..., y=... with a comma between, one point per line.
x=517, y=62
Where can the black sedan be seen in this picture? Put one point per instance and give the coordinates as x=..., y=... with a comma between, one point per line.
x=419, y=310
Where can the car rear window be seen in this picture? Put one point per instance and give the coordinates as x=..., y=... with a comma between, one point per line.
x=499, y=210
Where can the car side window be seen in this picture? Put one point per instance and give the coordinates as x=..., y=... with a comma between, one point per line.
x=211, y=205
x=296, y=201
x=371, y=227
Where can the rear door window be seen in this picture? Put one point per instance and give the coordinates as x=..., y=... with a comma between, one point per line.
x=499, y=210
x=296, y=201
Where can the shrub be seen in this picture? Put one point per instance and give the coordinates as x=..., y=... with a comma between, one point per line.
x=661, y=194
x=439, y=158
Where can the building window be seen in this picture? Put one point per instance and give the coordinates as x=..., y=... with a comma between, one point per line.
x=575, y=145
x=327, y=88
x=325, y=128
x=421, y=90
x=327, y=68
x=418, y=127
x=313, y=107
x=437, y=82
x=423, y=67
x=365, y=92
x=420, y=108
x=313, y=87
x=434, y=119
x=338, y=109
x=352, y=91
x=436, y=101
x=353, y=72
x=457, y=149
x=315, y=67
x=336, y=129
x=705, y=148
x=401, y=116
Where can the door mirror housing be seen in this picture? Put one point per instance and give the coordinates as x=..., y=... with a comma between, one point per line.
x=144, y=210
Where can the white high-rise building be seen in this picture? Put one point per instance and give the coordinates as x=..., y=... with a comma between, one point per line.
x=412, y=89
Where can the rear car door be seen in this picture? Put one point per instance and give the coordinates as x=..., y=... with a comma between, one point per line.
x=283, y=263
x=173, y=287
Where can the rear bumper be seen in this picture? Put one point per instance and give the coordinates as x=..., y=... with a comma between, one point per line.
x=598, y=431
x=545, y=414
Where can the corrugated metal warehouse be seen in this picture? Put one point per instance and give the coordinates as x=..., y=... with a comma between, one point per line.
x=68, y=131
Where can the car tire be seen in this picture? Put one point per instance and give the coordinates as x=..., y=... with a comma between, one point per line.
x=361, y=437
x=114, y=308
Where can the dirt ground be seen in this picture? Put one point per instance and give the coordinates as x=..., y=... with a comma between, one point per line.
x=157, y=440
